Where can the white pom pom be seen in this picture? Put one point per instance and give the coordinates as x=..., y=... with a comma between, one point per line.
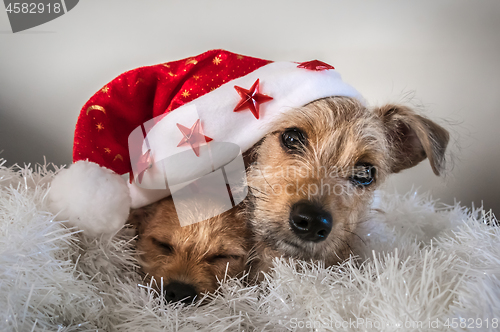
x=91, y=197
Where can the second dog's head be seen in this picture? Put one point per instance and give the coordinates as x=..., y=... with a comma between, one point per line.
x=192, y=258
x=313, y=177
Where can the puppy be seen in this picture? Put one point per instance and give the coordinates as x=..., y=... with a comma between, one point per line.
x=190, y=259
x=313, y=178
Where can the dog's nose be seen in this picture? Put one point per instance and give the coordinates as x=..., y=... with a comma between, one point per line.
x=179, y=292
x=310, y=222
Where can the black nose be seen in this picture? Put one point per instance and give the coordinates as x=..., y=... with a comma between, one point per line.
x=179, y=292
x=310, y=222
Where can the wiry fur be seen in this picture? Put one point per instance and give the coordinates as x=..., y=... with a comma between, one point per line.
x=340, y=132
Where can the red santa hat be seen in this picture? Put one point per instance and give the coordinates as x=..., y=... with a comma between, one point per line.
x=152, y=113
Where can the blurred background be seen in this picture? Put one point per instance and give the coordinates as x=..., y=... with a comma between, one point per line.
x=440, y=56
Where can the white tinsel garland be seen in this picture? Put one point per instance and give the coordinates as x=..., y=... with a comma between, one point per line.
x=423, y=267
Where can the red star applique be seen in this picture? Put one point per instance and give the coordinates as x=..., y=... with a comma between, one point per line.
x=193, y=137
x=251, y=99
x=145, y=162
x=315, y=65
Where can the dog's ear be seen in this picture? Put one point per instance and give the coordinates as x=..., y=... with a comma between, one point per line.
x=413, y=138
x=139, y=217
x=250, y=156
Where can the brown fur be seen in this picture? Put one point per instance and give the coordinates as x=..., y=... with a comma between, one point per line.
x=340, y=133
x=201, y=253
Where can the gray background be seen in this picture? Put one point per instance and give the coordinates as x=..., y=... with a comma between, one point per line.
x=442, y=55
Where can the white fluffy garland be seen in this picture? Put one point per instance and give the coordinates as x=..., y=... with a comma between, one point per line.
x=429, y=265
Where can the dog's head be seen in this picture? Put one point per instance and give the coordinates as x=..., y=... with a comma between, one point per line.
x=190, y=259
x=313, y=177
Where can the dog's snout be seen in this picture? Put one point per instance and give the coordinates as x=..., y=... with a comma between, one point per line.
x=310, y=222
x=180, y=292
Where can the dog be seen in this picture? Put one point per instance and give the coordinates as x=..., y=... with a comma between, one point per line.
x=190, y=259
x=312, y=179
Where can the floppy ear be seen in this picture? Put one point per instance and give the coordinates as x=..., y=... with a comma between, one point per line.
x=413, y=138
x=139, y=217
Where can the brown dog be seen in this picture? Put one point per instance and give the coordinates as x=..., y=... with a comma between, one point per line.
x=190, y=259
x=313, y=178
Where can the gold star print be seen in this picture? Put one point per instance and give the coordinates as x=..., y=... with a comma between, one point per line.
x=105, y=89
x=171, y=74
x=191, y=60
x=140, y=80
x=196, y=77
x=217, y=60
x=118, y=156
x=185, y=94
x=107, y=150
x=166, y=65
x=99, y=126
x=239, y=57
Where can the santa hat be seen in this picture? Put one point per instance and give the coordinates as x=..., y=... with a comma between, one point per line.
x=191, y=106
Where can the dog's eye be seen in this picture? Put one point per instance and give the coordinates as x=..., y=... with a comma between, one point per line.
x=363, y=174
x=215, y=258
x=164, y=246
x=293, y=139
